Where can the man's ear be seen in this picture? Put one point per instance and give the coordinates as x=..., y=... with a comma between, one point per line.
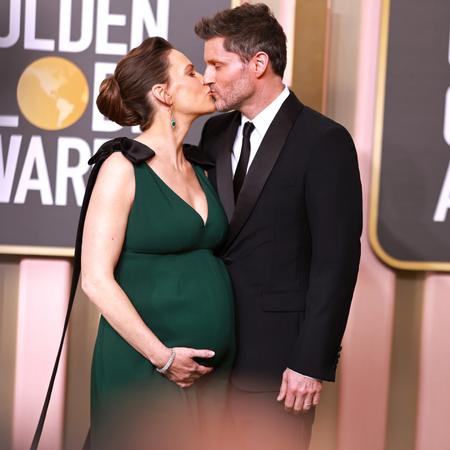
x=160, y=93
x=260, y=63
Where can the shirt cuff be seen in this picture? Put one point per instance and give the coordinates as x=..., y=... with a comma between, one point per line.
x=306, y=376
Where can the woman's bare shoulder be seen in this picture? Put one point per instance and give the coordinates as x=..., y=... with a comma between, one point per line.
x=115, y=178
x=117, y=165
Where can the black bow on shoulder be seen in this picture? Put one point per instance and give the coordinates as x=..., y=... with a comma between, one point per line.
x=194, y=155
x=137, y=153
x=134, y=151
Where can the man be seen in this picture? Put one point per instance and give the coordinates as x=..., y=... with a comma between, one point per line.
x=295, y=222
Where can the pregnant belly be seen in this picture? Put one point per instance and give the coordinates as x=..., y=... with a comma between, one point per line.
x=186, y=300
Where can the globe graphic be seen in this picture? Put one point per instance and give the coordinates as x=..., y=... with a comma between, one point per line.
x=52, y=93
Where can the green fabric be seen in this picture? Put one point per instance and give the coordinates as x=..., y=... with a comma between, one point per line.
x=183, y=293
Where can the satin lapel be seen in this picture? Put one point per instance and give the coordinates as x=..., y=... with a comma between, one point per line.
x=262, y=165
x=223, y=167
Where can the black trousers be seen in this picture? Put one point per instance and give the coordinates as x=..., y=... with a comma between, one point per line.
x=261, y=423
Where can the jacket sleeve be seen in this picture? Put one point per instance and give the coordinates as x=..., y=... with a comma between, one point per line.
x=334, y=209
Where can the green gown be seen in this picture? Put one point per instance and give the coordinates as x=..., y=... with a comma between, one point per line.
x=183, y=293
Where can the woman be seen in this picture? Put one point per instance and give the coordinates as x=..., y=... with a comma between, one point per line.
x=165, y=342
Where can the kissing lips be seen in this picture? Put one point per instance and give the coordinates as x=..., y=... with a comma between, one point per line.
x=212, y=94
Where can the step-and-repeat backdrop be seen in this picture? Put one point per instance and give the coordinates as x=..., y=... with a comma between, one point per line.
x=410, y=203
x=53, y=56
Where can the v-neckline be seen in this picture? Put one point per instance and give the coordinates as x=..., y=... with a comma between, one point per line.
x=204, y=222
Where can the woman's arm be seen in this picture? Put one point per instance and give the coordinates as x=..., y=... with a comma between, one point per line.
x=103, y=236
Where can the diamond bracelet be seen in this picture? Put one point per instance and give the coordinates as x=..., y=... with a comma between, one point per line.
x=168, y=364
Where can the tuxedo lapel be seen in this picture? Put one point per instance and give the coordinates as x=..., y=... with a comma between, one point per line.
x=223, y=167
x=262, y=165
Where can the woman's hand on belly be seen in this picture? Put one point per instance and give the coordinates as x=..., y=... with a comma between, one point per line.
x=184, y=370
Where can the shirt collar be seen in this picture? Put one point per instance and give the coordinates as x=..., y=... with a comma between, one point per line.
x=263, y=120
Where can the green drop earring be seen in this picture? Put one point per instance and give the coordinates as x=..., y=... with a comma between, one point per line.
x=172, y=119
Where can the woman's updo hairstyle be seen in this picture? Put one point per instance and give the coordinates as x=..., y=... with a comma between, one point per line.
x=124, y=97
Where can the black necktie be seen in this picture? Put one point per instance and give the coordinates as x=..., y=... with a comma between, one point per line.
x=241, y=169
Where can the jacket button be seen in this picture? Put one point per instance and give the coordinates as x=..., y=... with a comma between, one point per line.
x=227, y=261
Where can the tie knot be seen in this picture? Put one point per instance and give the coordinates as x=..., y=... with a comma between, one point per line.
x=248, y=128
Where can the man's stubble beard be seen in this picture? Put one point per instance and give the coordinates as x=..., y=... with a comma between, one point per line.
x=241, y=91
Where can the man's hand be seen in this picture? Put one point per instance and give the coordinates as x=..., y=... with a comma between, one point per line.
x=299, y=393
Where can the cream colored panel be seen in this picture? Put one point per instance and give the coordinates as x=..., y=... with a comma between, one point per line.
x=43, y=296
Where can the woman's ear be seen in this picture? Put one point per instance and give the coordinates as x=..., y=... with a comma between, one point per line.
x=261, y=62
x=160, y=93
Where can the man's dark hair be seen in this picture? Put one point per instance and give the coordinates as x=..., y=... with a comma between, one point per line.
x=247, y=29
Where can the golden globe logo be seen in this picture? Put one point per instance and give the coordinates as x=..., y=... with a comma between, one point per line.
x=52, y=93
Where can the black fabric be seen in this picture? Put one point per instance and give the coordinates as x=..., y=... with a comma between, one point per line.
x=241, y=169
x=293, y=242
x=137, y=153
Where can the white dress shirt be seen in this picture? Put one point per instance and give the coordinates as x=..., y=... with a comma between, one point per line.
x=262, y=123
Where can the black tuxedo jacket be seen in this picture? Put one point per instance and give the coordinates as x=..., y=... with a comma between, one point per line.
x=293, y=244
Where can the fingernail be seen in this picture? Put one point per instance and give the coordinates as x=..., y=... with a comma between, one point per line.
x=211, y=353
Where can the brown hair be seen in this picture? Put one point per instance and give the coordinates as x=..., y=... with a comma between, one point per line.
x=123, y=97
x=247, y=29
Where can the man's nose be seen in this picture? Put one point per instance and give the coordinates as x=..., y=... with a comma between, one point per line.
x=207, y=77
